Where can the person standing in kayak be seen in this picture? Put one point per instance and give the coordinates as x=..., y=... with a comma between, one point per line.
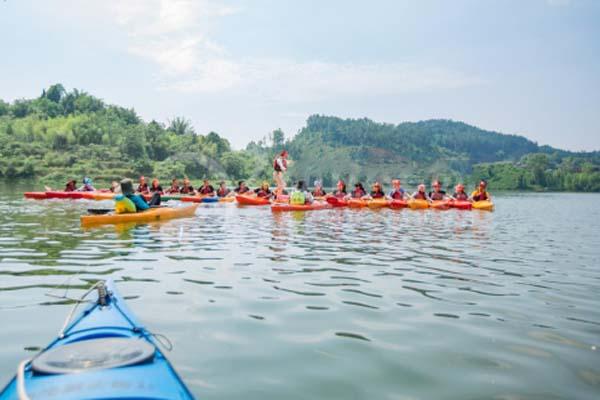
x=241, y=188
x=397, y=192
x=420, y=194
x=206, y=189
x=437, y=194
x=137, y=199
x=318, y=190
x=71, y=186
x=263, y=191
x=143, y=186
x=87, y=186
x=187, y=188
x=481, y=194
x=340, y=191
x=155, y=187
x=279, y=168
x=301, y=195
x=174, y=188
x=459, y=193
x=222, y=191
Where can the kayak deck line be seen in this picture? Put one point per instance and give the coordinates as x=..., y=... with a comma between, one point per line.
x=102, y=353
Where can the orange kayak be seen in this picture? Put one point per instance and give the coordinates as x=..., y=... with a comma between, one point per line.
x=440, y=204
x=252, y=200
x=300, y=207
x=461, y=204
x=398, y=204
x=35, y=195
x=418, y=204
x=357, y=203
x=150, y=215
x=378, y=203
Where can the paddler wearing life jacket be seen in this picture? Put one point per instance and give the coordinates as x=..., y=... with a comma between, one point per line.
x=129, y=197
x=481, y=193
x=279, y=167
x=155, y=187
x=459, y=193
x=397, y=193
x=71, y=186
x=143, y=186
x=187, y=188
x=437, y=194
x=263, y=191
x=358, y=192
x=301, y=195
x=420, y=194
x=241, y=188
x=340, y=190
x=222, y=191
x=87, y=186
x=318, y=190
x=206, y=189
x=174, y=188
x=377, y=192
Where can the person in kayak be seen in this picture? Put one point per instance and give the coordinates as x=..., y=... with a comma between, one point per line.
x=437, y=194
x=174, y=188
x=87, y=186
x=187, y=188
x=340, y=190
x=71, y=186
x=420, y=194
x=459, y=193
x=358, y=192
x=143, y=186
x=115, y=187
x=481, y=194
x=397, y=193
x=241, y=188
x=377, y=192
x=318, y=191
x=301, y=195
x=206, y=189
x=263, y=191
x=222, y=191
x=138, y=200
x=155, y=187
x=279, y=167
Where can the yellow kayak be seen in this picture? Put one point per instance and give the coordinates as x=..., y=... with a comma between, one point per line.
x=153, y=214
x=378, y=203
x=418, y=204
x=485, y=205
x=226, y=199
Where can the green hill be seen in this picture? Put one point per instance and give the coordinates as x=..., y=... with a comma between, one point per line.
x=62, y=135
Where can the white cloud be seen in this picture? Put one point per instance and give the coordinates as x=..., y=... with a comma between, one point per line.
x=176, y=36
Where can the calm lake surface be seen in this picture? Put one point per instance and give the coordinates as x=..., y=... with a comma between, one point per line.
x=333, y=304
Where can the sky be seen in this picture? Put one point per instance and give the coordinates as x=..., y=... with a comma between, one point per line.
x=243, y=68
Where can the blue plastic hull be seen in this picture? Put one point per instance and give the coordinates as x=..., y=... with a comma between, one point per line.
x=151, y=380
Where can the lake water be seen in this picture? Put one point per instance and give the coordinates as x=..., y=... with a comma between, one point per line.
x=333, y=304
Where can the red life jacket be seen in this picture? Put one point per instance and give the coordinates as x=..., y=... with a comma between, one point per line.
x=186, y=190
x=263, y=193
x=460, y=196
x=397, y=194
x=340, y=194
x=437, y=195
x=319, y=192
x=377, y=195
x=276, y=166
x=206, y=189
x=143, y=188
x=222, y=192
x=358, y=193
x=420, y=196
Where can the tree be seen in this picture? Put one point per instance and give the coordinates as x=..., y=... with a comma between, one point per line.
x=278, y=139
x=234, y=165
x=4, y=108
x=20, y=108
x=54, y=93
x=181, y=126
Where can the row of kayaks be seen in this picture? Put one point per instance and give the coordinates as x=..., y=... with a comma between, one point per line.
x=103, y=353
x=333, y=202
x=100, y=195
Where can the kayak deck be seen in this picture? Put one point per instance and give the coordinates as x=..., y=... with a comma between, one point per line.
x=152, y=214
x=97, y=325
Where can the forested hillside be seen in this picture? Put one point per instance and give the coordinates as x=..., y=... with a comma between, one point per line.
x=62, y=135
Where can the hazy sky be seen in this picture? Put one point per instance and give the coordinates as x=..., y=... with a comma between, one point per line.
x=244, y=68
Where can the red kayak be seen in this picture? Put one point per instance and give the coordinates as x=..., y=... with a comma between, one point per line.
x=398, y=204
x=440, y=204
x=300, y=207
x=335, y=202
x=252, y=200
x=64, y=195
x=35, y=195
x=461, y=204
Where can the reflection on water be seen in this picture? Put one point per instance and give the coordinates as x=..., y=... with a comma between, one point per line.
x=342, y=303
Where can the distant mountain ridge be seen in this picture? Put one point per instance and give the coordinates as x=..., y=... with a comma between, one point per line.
x=361, y=149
